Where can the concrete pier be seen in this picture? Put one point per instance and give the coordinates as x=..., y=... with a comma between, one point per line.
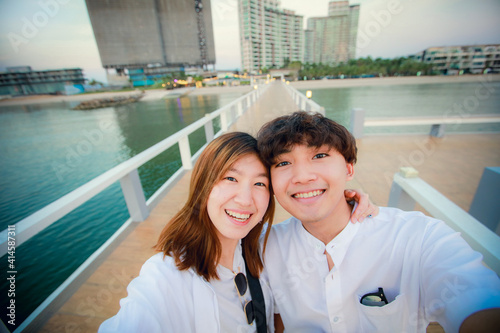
x=453, y=165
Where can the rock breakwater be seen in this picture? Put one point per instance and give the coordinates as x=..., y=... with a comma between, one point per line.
x=107, y=102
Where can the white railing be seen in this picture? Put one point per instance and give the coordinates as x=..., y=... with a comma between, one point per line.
x=304, y=103
x=128, y=176
x=131, y=186
x=408, y=190
x=438, y=124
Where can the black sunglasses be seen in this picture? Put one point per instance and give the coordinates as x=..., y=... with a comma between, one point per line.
x=241, y=283
x=374, y=299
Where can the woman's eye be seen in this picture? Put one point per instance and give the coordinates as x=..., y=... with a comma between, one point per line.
x=322, y=155
x=261, y=184
x=231, y=179
x=280, y=164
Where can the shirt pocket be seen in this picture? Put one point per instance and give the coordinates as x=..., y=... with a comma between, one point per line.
x=391, y=317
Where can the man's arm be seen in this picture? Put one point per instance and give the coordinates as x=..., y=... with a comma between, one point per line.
x=458, y=291
x=484, y=321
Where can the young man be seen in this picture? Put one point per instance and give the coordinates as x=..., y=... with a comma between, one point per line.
x=395, y=272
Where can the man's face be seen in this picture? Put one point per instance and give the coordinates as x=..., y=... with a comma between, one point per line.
x=309, y=182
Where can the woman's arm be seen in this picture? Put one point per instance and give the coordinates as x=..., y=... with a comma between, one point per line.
x=365, y=206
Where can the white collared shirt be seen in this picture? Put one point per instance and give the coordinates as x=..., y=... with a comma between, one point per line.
x=165, y=299
x=428, y=273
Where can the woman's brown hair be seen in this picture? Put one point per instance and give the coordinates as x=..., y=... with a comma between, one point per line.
x=190, y=237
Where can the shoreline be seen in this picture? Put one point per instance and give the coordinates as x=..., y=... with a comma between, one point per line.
x=157, y=94
x=393, y=80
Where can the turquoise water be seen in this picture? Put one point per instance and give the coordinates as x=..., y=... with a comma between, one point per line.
x=48, y=150
x=436, y=100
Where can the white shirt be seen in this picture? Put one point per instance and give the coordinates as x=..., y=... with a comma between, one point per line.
x=164, y=299
x=428, y=273
x=229, y=302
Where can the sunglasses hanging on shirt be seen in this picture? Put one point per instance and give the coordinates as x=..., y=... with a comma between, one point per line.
x=241, y=283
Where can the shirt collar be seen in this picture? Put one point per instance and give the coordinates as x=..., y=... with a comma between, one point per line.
x=337, y=247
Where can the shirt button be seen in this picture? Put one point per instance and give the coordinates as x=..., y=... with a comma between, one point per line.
x=336, y=319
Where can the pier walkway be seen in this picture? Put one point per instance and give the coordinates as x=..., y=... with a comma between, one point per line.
x=453, y=165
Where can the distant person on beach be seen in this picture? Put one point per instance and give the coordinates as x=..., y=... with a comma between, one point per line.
x=210, y=249
x=395, y=272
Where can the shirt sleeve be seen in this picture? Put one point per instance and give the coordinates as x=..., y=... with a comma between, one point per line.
x=454, y=281
x=153, y=304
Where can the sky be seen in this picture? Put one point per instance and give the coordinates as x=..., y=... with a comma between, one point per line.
x=53, y=34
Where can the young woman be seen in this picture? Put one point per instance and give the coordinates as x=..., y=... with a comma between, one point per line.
x=198, y=281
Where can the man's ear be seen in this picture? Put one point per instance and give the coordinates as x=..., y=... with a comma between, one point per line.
x=350, y=171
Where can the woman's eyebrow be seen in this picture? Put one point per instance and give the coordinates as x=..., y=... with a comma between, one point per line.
x=236, y=171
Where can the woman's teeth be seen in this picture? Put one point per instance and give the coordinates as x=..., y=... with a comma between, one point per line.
x=238, y=216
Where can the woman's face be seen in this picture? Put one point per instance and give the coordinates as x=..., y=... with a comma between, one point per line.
x=239, y=200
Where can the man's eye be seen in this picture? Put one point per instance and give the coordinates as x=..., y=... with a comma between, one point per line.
x=280, y=164
x=322, y=155
x=261, y=184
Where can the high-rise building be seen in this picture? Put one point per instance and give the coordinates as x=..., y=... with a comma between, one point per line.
x=22, y=80
x=149, y=38
x=269, y=36
x=466, y=59
x=333, y=38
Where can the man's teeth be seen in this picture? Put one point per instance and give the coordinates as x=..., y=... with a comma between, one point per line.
x=238, y=216
x=308, y=194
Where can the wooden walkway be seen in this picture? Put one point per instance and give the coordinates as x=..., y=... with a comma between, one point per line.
x=453, y=165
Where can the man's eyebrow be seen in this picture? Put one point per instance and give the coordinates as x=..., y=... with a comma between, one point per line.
x=281, y=152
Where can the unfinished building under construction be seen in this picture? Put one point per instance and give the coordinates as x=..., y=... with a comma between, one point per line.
x=148, y=39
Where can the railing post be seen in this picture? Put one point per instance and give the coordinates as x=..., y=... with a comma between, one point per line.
x=240, y=108
x=233, y=114
x=209, y=130
x=223, y=121
x=134, y=196
x=185, y=153
x=437, y=130
x=399, y=198
x=357, y=122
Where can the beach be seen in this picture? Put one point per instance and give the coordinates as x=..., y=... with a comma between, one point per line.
x=156, y=94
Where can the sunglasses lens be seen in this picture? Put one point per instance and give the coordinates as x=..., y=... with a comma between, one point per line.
x=249, y=312
x=241, y=283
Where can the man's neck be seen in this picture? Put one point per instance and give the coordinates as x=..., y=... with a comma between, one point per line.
x=327, y=230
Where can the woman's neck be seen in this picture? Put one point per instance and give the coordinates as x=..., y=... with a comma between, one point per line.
x=227, y=254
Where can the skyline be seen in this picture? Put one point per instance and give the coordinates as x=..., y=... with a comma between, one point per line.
x=52, y=34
